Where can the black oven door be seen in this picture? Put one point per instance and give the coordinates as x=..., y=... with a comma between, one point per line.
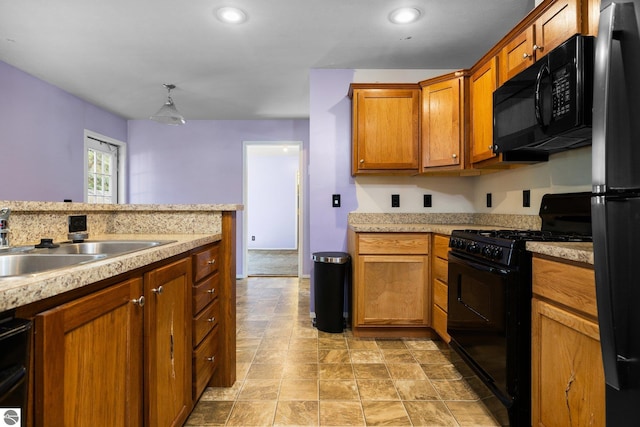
x=479, y=316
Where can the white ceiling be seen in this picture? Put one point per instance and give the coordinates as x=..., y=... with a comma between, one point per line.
x=118, y=53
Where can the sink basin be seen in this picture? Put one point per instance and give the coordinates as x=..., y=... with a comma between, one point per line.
x=108, y=247
x=21, y=264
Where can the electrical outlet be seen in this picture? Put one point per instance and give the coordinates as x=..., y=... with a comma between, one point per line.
x=427, y=201
x=526, y=198
x=77, y=223
x=335, y=201
x=395, y=200
x=253, y=238
x=488, y=200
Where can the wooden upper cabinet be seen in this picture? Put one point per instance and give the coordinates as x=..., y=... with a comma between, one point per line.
x=443, y=122
x=555, y=25
x=386, y=128
x=482, y=84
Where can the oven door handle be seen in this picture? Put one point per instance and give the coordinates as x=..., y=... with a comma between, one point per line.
x=481, y=267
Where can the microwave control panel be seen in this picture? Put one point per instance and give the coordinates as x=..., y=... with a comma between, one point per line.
x=561, y=92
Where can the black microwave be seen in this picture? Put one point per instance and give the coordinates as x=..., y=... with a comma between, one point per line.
x=547, y=107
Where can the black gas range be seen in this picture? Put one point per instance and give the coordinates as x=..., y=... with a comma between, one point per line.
x=489, y=299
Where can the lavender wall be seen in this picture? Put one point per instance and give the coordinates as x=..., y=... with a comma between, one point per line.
x=42, y=138
x=330, y=161
x=201, y=162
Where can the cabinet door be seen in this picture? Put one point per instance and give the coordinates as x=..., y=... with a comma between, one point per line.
x=392, y=290
x=568, y=385
x=441, y=124
x=483, y=83
x=517, y=55
x=168, y=344
x=556, y=25
x=88, y=360
x=386, y=129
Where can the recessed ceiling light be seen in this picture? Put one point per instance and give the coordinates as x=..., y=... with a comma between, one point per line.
x=231, y=15
x=404, y=15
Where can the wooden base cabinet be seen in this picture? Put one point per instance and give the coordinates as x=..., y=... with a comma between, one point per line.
x=440, y=289
x=391, y=292
x=89, y=358
x=567, y=374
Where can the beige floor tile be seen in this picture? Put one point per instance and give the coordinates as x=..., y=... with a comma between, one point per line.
x=362, y=344
x=371, y=371
x=406, y=371
x=471, y=414
x=222, y=393
x=265, y=371
x=391, y=344
x=430, y=356
x=303, y=344
x=366, y=356
x=260, y=390
x=335, y=371
x=210, y=413
x=300, y=371
x=416, y=390
x=307, y=356
x=333, y=356
x=379, y=413
x=429, y=413
x=252, y=414
x=338, y=390
x=454, y=390
x=298, y=390
x=441, y=372
x=296, y=413
x=341, y=414
x=398, y=356
x=269, y=355
x=377, y=390
x=421, y=344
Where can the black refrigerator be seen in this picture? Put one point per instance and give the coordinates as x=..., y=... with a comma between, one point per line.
x=615, y=205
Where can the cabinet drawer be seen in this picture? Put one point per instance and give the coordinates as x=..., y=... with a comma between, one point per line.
x=568, y=284
x=440, y=294
x=205, y=321
x=205, y=262
x=440, y=323
x=440, y=269
x=205, y=361
x=205, y=292
x=393, y=243
x=441, y=246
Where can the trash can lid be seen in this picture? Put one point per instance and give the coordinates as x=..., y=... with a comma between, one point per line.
x=331, y=257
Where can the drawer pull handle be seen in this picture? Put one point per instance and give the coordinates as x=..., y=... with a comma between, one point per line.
x=211, y=291
x=139, y=301
x=158, y=290
x=211, y=319
x=454, y=155
x=211, y=359
x=211, y=261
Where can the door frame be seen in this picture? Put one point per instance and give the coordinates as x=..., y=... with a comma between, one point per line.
x=245, y=194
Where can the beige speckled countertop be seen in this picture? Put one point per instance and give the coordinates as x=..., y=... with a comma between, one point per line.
x=17, y=291
x=420, y=223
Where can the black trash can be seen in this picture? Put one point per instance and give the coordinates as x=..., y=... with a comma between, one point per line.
x=331, y=274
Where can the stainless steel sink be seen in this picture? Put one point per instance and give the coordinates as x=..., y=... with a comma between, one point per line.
x=109, y=247
x=29, y=260
x=20, y=264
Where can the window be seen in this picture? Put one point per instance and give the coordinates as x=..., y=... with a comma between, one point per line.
x=104, y=169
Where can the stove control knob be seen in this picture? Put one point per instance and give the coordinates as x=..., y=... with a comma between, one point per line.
x=473, y=248
x=497, y=253
x=486, y=251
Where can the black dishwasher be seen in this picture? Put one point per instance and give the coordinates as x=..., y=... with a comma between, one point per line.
x=14, y=359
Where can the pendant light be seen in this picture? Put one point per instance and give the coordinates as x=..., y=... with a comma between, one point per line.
x=169, y=114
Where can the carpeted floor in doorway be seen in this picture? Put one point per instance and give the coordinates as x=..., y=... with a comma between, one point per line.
x=272, y=262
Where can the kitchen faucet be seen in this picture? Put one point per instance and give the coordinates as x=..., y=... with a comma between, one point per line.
x=4, y=227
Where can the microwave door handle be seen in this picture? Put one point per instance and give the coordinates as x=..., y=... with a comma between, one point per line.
x=538, y=95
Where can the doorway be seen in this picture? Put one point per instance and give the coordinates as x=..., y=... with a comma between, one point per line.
x=272, y=217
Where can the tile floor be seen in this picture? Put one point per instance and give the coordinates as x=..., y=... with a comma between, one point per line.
x=291, y=374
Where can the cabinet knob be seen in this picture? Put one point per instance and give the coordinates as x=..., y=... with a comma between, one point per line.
x=454, y=155
x=211, y=291
x=490, y=147
x=211, y=261
x=536, y=47
x=526, y=55
x=139, y=301
x=211, y=359
x=158, y=290
x=211, y=319
x=361, y=160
